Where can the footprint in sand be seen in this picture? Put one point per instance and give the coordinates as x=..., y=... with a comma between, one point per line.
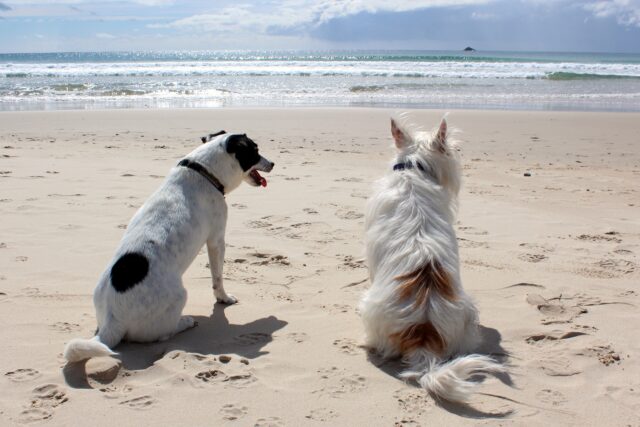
x=532, y=257
x=22, y=375
x=44, y=399
x=232, y=411
x=326, y=373
x=212, y=376
x=140, y=403
x=349, y=214
x=345, y=384
x=269, y=422
x=321, y=414
x=252, y=338
x=359, y=194
x=49, y=395
x=349, y=262
x=337, y=308
x=297, y=337
x=241, y=380
x=65, y=327
x=482, y=264
x=553, y=336
x=33, y=415
x=265, y=259
x=556, y=313
x=606, y=237
x=258, y=224
x=605, y=354
x=412, y=401
x=466, y=243
x=553, y=397
x=406, y=421
x=623, y=252
x=347, y=346
x=556, y=366
x=473, y=230
x=115, y=392
x=310, y=211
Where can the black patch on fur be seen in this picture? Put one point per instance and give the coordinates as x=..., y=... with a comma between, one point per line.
x=129, y=270
x=212, y=135
x=245, y=149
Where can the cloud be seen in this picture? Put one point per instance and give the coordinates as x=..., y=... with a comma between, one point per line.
x=4, y=7
x=105, y=36
x=626, y=12
x=62, y=2
x=300, y=13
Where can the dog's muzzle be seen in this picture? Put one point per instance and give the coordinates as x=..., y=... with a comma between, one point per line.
x=263, y=165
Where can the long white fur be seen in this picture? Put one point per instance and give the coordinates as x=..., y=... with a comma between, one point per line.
x=180, y=217
x=409, y=222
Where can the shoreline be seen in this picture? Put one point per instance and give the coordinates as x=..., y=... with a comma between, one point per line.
x=312, y=106
x=552, y=260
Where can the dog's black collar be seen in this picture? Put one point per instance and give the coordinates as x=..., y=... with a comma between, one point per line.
x=204, y=172
x=407, y=165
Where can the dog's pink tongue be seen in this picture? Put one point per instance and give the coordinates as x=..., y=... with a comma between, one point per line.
x=263, y=182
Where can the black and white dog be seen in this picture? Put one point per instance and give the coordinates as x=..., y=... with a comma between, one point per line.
x=140, y=296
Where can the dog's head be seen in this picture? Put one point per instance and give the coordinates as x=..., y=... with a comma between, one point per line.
x=246, y=153
x=434, y=152
x=247, y=159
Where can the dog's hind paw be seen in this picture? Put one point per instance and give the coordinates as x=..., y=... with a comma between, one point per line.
x=227, y=299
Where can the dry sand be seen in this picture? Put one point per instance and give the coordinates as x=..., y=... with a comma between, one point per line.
x=552, y=260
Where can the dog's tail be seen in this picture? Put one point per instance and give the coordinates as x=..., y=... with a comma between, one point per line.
x=451, y=380
x=100, y=345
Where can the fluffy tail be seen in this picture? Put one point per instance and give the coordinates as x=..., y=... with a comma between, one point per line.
x=450, y=380
x=80, y=349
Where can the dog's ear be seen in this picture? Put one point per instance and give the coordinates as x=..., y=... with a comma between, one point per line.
x=399, y=135
x=212, y=135
x=440, y=141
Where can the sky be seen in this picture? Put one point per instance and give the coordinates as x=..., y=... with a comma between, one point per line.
x=168, y=25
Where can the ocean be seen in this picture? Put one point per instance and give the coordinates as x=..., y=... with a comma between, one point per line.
x=397, y=79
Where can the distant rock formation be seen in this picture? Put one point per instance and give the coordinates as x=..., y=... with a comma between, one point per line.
x=469, y=49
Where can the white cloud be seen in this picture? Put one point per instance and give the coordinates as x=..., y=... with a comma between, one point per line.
x=295, y=13
x=105, y=36
x=94, y=2
x=626, y=12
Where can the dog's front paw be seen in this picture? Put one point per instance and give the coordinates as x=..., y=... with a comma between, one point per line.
x=227, y=299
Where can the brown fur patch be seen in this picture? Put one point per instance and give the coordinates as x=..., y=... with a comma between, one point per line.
x=422, y=335
x=419, y=284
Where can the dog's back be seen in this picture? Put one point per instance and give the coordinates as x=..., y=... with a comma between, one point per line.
x=416, y=307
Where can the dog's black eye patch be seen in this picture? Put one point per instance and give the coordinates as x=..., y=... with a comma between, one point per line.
x=129, y=270
x=245, y=149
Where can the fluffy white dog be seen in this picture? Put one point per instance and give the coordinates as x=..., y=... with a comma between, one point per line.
x=140, y=296
x=416, y=308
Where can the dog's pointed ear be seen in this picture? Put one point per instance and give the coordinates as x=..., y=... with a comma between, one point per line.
x=398, y=134
x=440, y=141
x=212, y=135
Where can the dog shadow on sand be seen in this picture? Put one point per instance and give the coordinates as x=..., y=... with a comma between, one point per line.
x=490, y=346
x=213, y=335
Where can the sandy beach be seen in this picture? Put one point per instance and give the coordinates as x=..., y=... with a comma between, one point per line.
x=550, y=258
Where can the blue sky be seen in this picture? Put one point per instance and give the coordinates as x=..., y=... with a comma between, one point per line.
x=541, y=25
